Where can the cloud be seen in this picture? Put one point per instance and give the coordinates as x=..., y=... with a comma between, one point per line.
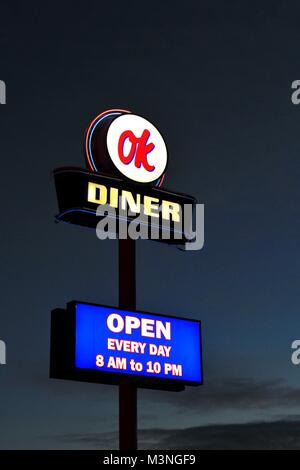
x=274, y=435
x=284, y=434
x=234, y=394
x=275, y=398
x=103, y=440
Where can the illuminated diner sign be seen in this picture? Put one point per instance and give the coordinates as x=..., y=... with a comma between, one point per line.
x=126, y=158
x=81, y=195
x=106, y=343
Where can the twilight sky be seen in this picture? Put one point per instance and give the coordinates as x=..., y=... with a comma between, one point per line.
x=215, y=77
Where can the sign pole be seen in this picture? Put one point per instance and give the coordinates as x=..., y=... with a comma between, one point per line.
x=127, y=391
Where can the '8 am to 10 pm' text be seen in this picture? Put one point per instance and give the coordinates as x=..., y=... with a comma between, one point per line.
x=118, y=363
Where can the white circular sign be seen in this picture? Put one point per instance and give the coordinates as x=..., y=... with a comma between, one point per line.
x=136, y=148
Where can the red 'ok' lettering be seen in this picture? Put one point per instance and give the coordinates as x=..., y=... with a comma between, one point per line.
x=138, y=151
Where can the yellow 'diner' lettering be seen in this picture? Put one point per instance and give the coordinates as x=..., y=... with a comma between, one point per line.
x=100, y=194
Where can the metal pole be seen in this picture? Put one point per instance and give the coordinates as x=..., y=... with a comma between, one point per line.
x=127, y=391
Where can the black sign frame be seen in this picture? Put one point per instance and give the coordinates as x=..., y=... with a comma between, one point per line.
x=71, y=185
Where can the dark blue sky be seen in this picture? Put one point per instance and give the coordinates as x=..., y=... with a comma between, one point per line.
x=216, y=80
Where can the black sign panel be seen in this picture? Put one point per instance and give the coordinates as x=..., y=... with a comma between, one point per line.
x=164, y=215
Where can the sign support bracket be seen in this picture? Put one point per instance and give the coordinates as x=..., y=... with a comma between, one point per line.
x=127, y=391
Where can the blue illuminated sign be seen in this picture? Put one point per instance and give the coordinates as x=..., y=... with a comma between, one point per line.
x=135, y=343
